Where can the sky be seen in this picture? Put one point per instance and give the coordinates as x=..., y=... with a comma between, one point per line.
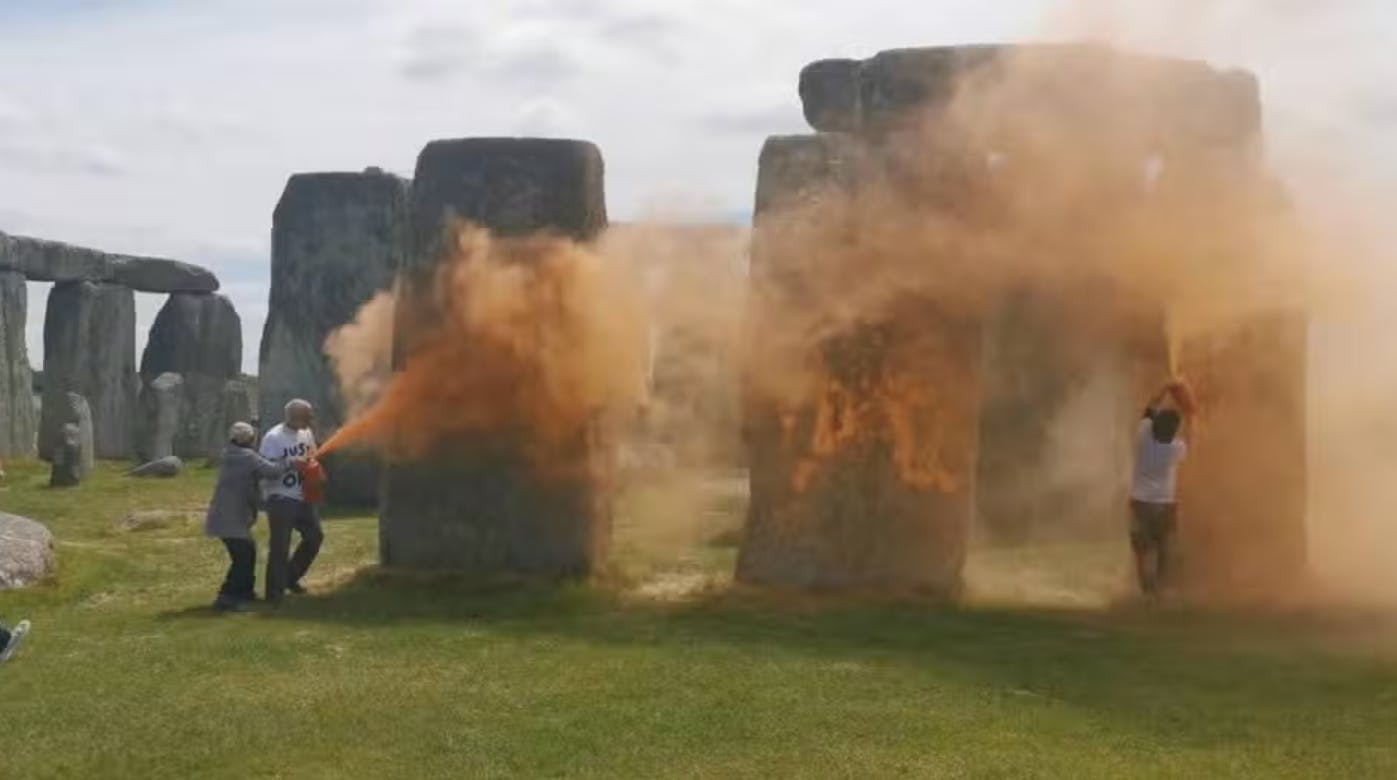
x=169, y=128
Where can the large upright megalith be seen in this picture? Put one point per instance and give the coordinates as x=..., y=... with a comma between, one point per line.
x=861, y=441
x=1024, y=182
x=337, y=240
x=199, y=337
x=161, y=402
x=477, y=505
x=90, y=349
x=1244, y=490
x=17, y=418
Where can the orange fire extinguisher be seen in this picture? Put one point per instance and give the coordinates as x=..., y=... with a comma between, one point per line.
x=312, y=481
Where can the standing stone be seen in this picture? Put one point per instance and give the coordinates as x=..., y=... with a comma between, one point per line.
x=465, y=508
x=194, y=334
x=90, y=349
x=71, y=410
x=864, y=477
x=161, y=401
x=337, y=240
x=239, y=405
x=67, y=468
x=1243, y=490
x=17, y=417
x=199, y=337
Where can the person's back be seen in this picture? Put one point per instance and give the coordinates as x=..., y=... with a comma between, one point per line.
x=237, y=492
x=1157, y=457
x=1159, y=449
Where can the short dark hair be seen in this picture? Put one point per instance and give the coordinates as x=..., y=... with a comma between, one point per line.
x=1165, y=425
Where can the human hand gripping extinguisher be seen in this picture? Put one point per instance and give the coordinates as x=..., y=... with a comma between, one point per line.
x=312, y=480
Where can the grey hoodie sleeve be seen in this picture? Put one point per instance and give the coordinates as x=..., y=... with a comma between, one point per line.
x=269, y=469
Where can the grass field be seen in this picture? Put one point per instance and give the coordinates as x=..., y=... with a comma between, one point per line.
x=665, y=672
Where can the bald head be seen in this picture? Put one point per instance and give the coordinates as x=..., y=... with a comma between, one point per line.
x=299, y=414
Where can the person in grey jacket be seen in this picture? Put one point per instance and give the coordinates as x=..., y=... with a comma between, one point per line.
x=233, y=511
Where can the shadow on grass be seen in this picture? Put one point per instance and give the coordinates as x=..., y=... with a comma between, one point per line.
x=1145, y=673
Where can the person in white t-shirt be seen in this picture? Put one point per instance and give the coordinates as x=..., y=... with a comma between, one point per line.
x=287, y=509
x=1159, y=448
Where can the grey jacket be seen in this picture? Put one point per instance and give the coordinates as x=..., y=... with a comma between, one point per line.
x=233, y=509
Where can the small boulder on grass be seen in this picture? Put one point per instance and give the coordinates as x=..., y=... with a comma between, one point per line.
x=26, y=551
x=163, y=468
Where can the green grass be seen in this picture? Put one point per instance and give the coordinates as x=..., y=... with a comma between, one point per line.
x=377, y=675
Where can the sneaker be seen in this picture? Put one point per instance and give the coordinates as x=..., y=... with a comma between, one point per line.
x=296, y=588
x=16, y=639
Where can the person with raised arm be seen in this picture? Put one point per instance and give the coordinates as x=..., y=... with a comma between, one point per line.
x=1154, y=509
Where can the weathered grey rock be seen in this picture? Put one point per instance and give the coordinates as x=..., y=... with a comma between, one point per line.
x=157, y=275
x=26, y=551
x=67, y=470
x=888, y=504
x=1179, y=100
x=194, y=334
x=485, y=511
x=798, y=169
x=162, y=400
x=239, y=404
x=337, y=240
x=515, y=186
x=199, y=337
x=42, y=260
x=1246, y=485
x=829, y=93
x=90, y=349
x=71, y=409
x=18, y=422
x=164, y=468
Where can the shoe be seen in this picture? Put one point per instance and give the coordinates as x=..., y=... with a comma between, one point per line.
x=228, y=604
x=296, y=588
x=16, y=639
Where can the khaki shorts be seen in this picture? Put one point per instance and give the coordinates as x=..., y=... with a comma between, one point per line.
x=1151, y=525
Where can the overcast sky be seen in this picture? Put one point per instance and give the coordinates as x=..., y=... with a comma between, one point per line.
x=169, y=128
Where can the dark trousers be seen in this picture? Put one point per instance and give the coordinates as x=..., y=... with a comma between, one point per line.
x=283, y=516
x=242, y=570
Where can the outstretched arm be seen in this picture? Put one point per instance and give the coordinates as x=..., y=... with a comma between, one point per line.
x=271, y=469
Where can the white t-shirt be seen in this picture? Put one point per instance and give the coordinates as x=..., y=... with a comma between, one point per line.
x=282, y=442
x=1156, y=466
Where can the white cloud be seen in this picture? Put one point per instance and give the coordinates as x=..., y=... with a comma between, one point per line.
x=50, y=157
x=544, y=116
x=14, y=114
